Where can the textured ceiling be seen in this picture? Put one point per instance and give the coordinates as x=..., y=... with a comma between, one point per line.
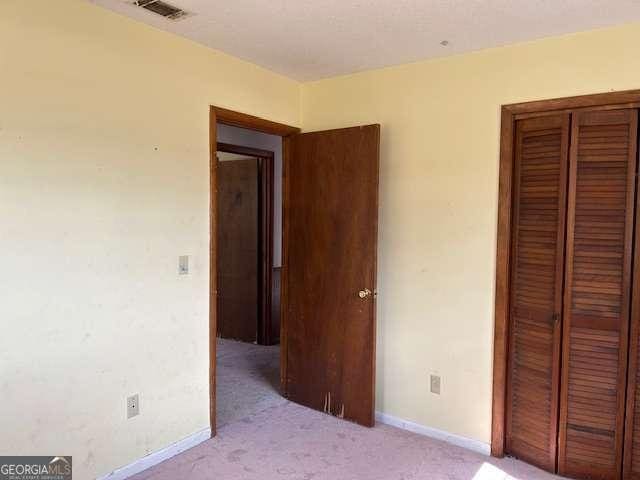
x=312, y=39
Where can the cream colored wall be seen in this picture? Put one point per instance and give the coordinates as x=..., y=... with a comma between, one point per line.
x=438, y=203
x=104, y=183
x=104, y=154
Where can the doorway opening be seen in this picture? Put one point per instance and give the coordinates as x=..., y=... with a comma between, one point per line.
x=246, y=262
x=249, y=239
x=325, y=238
x=246, y=234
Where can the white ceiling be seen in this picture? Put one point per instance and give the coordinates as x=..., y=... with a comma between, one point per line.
x=312, y=39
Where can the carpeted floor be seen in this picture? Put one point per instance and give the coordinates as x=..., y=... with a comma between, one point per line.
x=247, y=381
x=264, y=437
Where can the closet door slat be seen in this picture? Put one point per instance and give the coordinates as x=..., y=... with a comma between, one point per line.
x=597, y=292
x=541, y=169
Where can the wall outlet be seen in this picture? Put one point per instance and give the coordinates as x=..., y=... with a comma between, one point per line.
x=434, y=384
x=183, y=264
x=133, y=406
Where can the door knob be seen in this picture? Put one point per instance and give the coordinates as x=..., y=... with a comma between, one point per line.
x=364, y=293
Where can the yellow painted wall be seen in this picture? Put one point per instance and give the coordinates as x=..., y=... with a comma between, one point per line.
x=438, y=203
x=103, y=183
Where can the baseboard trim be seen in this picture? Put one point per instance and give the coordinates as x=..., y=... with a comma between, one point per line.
x=158, y=456
x=196, y=438
x=460, y=441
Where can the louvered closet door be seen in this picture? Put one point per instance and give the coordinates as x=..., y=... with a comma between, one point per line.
x=541, y=166
x=596, y=307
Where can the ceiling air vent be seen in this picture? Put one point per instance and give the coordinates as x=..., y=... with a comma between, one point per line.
x=161, y=8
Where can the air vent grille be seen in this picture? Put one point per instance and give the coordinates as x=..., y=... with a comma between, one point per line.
x=161, y=8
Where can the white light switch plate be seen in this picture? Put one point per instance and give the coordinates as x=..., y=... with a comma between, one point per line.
x=183, y=264
x=435, y=384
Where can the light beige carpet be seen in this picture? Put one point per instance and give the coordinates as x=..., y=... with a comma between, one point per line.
x=265, y=437
x=247, y=379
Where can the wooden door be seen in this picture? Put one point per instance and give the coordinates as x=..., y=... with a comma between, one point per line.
x=597, y=292
x=331, y=212
x=540, y=173
x=238, y=249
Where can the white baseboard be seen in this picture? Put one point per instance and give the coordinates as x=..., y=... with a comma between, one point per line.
x=460, y=441
x=196, y=438
x=158, y=456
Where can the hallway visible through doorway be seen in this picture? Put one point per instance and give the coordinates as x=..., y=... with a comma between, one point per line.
x=248, y=379
x=249, y=237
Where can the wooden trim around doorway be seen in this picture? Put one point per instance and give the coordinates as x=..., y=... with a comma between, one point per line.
x=243, y=120
x=509, y=115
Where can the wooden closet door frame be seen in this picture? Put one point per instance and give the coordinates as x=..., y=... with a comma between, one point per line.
x=237, y=119
x=509, y=115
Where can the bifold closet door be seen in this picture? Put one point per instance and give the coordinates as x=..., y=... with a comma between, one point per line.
x=597, y=292
x=540, y=180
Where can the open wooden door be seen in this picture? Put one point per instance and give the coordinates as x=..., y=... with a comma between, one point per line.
x=329, y=283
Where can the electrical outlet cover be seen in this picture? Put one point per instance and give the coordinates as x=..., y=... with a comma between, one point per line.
x=133, y=406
